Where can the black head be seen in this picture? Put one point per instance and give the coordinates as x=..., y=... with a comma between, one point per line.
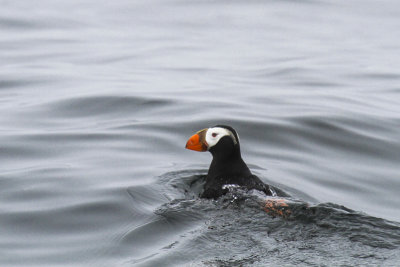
x=220, y=140
x=223, y=142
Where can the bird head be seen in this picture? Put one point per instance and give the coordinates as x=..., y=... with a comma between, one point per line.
x=217, y=139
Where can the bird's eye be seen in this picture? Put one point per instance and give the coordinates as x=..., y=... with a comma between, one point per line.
x=214, y=134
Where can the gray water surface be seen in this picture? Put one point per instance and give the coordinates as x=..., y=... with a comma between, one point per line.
x=98, y=98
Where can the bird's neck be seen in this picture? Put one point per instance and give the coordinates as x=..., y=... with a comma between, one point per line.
x=228, y=166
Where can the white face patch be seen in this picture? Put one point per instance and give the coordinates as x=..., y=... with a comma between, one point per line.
x=213, y=136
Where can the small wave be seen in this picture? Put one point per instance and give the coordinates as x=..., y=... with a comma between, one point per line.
x=102, y=105
x=237, y=220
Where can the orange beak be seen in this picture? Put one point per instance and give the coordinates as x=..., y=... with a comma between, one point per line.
x=197, y=142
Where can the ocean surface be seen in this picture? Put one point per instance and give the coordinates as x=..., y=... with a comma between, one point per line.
x=98, y=98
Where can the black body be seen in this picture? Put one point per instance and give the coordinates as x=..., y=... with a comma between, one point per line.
x=228, y=167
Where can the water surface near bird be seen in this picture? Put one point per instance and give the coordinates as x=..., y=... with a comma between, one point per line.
x=97, y=100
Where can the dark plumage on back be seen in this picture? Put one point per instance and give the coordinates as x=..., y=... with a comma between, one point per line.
x=227, y=166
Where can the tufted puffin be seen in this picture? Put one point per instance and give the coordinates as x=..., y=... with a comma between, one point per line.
x=227, y=166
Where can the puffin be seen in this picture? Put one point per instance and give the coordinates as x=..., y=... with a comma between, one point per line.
x=227, y=166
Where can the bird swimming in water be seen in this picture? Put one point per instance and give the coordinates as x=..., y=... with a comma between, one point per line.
x=227, y=166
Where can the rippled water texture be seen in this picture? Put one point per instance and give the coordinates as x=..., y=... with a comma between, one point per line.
x=98, y=98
